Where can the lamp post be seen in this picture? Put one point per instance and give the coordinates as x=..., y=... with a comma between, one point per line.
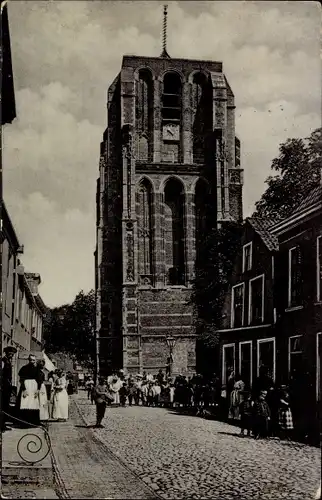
x=171, y=342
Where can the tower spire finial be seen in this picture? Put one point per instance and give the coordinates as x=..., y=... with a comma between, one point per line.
x=164, y=33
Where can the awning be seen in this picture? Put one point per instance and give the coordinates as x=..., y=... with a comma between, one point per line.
x=49, y=365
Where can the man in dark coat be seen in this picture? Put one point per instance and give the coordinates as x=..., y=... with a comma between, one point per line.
x=6, y=384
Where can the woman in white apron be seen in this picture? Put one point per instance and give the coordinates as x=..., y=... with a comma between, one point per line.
x=60, y=399
x=31, y=379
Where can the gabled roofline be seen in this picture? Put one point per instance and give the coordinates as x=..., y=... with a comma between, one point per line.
x=8, y=229
x=296, y=218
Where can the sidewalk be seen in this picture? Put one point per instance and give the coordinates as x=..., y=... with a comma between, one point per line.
x=86, y=467
x=27, y=470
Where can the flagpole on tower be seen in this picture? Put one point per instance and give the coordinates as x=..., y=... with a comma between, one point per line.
x=164, y=33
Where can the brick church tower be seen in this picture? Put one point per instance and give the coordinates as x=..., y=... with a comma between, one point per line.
x=169, y=146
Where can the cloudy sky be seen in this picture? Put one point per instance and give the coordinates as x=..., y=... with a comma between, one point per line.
x=65, y=55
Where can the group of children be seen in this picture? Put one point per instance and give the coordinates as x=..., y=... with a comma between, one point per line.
x=257, y=417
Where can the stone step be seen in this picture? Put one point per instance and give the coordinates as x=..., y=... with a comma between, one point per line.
x=27, y=474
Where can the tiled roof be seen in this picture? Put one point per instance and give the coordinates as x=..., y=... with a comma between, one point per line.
x=261, y=226
x=312, y=198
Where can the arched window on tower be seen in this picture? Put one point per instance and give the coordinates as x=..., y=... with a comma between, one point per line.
x=174, y=232
x=203, y=211
x=144, y=217
x=171, y=114
x=144, y=115
x=202, y=115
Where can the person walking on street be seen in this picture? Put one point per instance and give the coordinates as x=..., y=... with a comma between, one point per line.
x=6, y=388
x=89, y=387
x=102, y=397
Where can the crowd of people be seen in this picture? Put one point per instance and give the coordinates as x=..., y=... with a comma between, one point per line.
x=41, y=396
x=263, y=411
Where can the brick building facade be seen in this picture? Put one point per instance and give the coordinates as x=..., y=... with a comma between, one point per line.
x=278, y=323
x=169, y=146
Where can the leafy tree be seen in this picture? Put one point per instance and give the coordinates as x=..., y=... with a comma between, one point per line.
x=214, y=266
x=70, y=329
x=299, y=169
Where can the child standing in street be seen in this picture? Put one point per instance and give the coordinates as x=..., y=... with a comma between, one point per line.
x=285, y=417
x=246, y=414
x=261, y=416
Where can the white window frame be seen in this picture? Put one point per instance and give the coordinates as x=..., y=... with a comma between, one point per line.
x=232, y=318
x=223, y=371
x=262, y=277
x=318, y=264
x=251, y=358
x=318, y=367
x=263, y=341
x=289, y=350
x=250, y=244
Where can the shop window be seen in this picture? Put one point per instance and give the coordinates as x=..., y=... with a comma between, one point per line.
x=266, y=360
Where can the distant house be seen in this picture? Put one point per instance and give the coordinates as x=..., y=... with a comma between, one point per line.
x=247, y=334
x=22, y=308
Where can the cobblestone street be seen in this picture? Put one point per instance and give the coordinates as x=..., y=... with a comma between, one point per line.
x=86, y=469
x=182, y=457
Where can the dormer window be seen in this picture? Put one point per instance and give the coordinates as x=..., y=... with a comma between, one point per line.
x=247, y=257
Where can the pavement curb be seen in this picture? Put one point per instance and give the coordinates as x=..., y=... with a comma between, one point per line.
x=58, y=481
x=124, y=464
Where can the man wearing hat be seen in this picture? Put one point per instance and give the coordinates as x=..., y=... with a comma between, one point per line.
x=6, y=384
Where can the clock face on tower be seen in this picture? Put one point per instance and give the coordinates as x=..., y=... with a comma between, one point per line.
x=171, y=132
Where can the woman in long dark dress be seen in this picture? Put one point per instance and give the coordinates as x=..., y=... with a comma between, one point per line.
x=31, y=379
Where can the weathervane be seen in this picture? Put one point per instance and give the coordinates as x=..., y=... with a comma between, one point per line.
x=164, y=33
